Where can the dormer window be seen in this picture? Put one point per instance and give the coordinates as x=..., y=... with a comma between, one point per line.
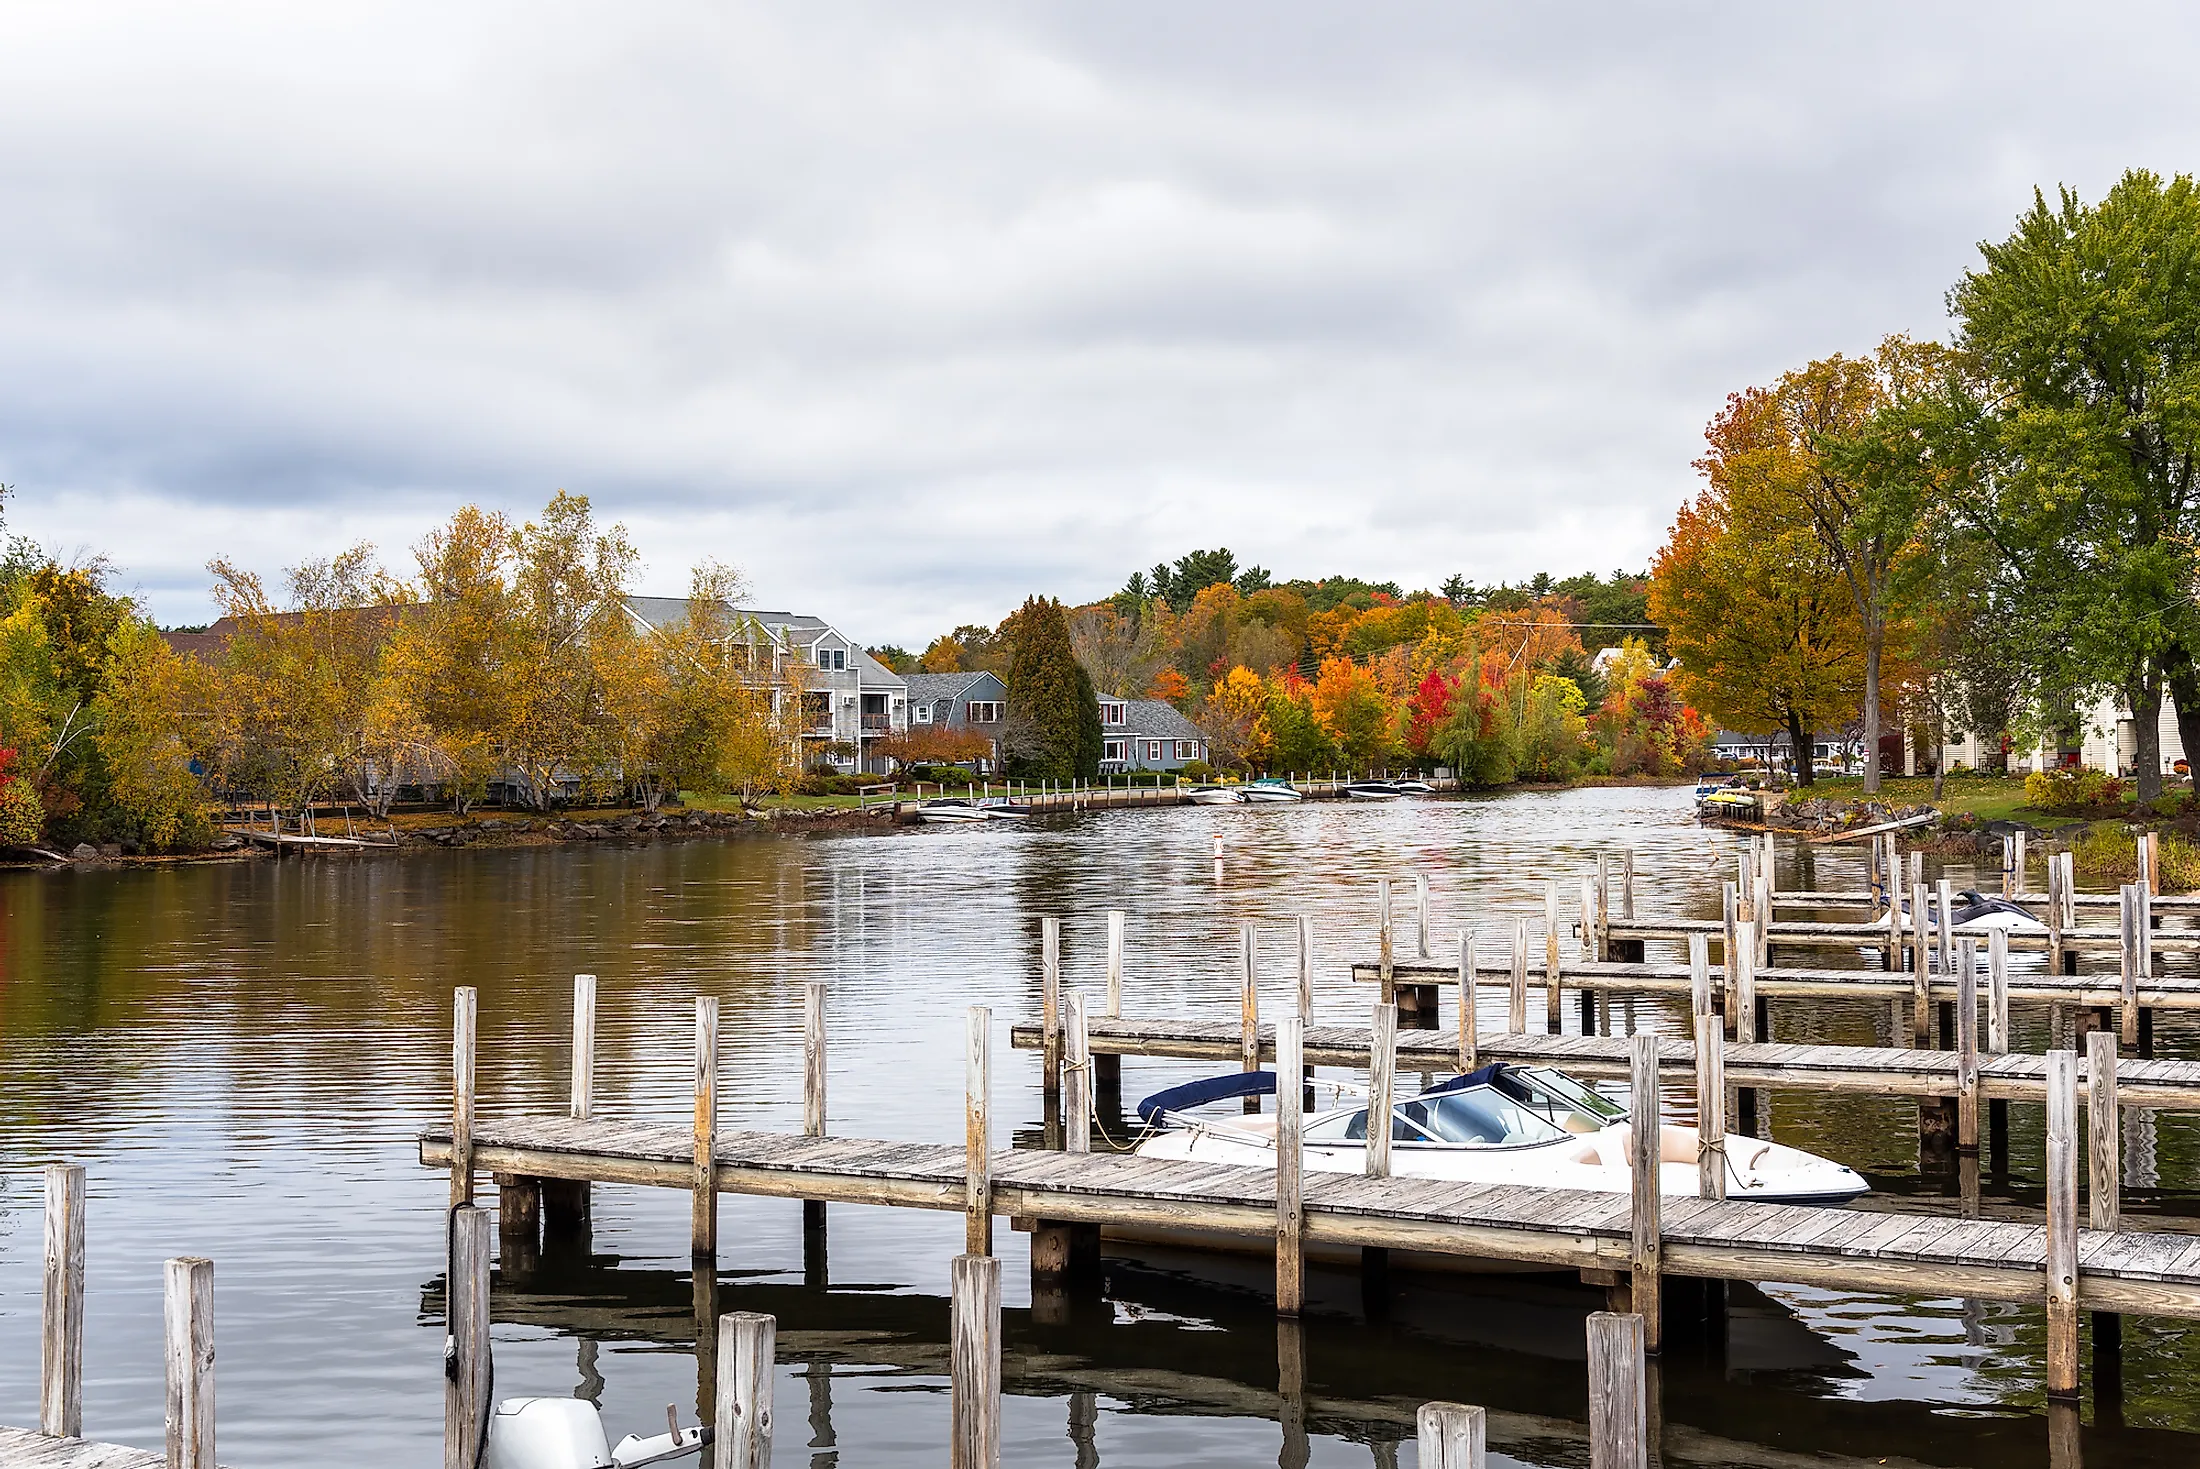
x=921, y=713
x=1112, y=711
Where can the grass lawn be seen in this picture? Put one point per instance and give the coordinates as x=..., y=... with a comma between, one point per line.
x=1988, y=797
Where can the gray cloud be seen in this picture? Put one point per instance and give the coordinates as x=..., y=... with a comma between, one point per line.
x=912, y=311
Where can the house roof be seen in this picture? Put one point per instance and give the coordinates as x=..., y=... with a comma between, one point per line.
x=215, y=641
x=790, y=629
x=927, y=688
x=1153, y=719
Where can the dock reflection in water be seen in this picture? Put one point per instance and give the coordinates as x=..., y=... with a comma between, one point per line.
x=242, y=1055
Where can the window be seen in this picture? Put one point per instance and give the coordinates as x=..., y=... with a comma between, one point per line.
x=1187, y=749
x=983, y=711
x=1111, y=749
x=920, y=713
x=1111, y=711
x=1153, y=750
x=832, y=659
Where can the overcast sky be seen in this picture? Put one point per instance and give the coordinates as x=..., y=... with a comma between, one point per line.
x=910, y=310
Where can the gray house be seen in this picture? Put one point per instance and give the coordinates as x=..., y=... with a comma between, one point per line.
x=1146, y=734
x=976, y=702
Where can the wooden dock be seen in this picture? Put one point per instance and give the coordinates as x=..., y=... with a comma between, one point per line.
x=1800, y=933
x=1886, y=1071
x=1843, y=1249
x=24, y=1448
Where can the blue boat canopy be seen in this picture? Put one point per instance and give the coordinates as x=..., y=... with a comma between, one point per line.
x=1472, y=1078
x=1210, y=1089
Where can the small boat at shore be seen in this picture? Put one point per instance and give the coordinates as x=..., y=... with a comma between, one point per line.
x=1413, y=788
x=1269, y=790
x=960, y=811
x=1371, y=790
x=1510, y=1124
x=1215, y=796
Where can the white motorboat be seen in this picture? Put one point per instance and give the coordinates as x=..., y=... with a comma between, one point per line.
x=1214, y=796
x=1372, y=790
x=1413, y=788
x=951, y=811
x=1502, y=1124
x=567, y=1433
x=1257, y=792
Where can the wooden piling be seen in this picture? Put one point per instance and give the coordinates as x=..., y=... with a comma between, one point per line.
x=2062, y=1225
x=2054, y=914
x=1516, y=1020
x=61, y=1323
x=2127, y=933
x=703, y=1212
x=1077, y=1080
x=978, y=1132
x=1627, y=884
x=1997, y=992
x=1551, y=966
x=1468, y=1037
x=1710, y=1107
x=2104, y=1134
x=1306, y=966
x=1644, y=1243
x=747, y=1346
x=1967, y=1046
x=975, y=1362
x=464, y=1012
x=1116, y=920
x=584, y=1044
x=1420, y=908
x=466, y=1386
x=2008, y=866
x=1386, y=942
x=1741, y=999
x=1730, y=915
x=1290, y=1208
x=2150, y=858
x=1050, y=1004
x=1944, y=931
x=1604, y=903
x=1921, y=970
x=1618, y=1403
x=813, y=1058
x=1382, y=1070
x=1451, y=1436
x=1248, y=1005
x=1590, y=931
x=1699, y=977
x=565, y=1201
x=187, y=1301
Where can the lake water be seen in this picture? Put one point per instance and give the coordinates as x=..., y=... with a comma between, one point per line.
x=241, y=1056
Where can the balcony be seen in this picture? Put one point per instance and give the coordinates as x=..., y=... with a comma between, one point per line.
x=876, y=724
x=821, y=729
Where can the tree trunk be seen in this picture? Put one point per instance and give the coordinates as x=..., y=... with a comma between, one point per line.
x=2182, y=676
x=1871, y=712
x=1799, y=748
x=2145, y=696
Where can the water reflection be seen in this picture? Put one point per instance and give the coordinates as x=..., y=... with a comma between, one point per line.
x=241, y=1054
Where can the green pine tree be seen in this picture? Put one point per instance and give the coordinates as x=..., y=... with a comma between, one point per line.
x=1054, y=716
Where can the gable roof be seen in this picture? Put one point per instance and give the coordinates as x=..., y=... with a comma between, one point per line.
x=932, y=687
x=1153, y=719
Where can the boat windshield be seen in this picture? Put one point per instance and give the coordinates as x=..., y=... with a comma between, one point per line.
x=1480, y=1117
x=1561, y=1100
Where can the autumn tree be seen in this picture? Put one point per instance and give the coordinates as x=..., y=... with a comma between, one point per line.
x=1232, y=718
x=1351, y=708
x=1761, y=619
x=455, y=662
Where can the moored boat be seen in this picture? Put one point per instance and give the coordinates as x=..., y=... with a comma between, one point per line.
x=1269, y=789
x=1214, y=796
x=1371, y=790
x=950, y=811
x=1531, y=1125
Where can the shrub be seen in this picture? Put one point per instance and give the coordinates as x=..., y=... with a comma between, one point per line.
x=22, y=818
x=1197, y=770
x=2071, y=789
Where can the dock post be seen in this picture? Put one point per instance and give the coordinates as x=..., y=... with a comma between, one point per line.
x=1248, y=1008
x=466, y=1308
x=1107, y=1071
x=1627, y=885
x=1741, y=1000
x=2017, y=861
x=1590, y=949
x=975, y=1362
x=1997, y=1043
x=2069, y=906
x=1420, y=908
x=1452, y=1436
x=565, y=1202
x=1604, y=904
x=519, y=1223
x=1730, y=915
x=1382, y=1064
x=1306, y=993
x=2008, y=866
x=187, y=1301
x=741, y=1438
x=1516, y=1018
x=1469, y=1039
x=1944, y=934
x=2062, y=1225
x=813, y=1121
x=464, y=1011
x=1050, y=1004
x=1699, y=977
x=2147, y=850
x=978, y=1132
x=703, y=1213
x=61, y=1328
x=1552, y=969
x=1710, y=1108
x=1967, y=1046
x=1618, y=1409
x=1921, y=971
x=1290, y=1212
x=2054, y=914
x=1644, y=1244
x=2104, y=1134
x=2127, y=948
x=1077, y=1081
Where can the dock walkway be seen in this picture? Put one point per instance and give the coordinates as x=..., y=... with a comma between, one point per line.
x=1867, y=1070
x=25, y=1448
x=2139, y=1273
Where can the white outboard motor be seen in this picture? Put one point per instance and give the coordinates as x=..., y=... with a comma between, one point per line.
x=567, y=1433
